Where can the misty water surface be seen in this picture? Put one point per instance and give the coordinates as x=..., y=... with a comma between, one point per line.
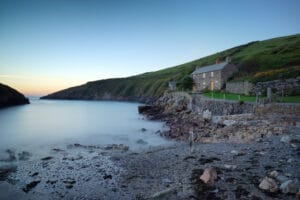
x=58, y=122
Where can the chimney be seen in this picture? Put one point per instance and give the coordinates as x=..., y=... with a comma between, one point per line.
x=217, y=61
x=228, y=59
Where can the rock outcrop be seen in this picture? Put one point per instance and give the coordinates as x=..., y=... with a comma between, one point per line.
x=11, y=97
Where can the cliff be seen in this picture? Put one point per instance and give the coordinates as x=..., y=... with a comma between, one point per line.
x=11, y=97
x=251, y=59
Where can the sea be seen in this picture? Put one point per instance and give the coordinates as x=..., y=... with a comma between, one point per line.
x=55, y=123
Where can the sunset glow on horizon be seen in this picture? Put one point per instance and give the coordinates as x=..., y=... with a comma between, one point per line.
x=46, y=46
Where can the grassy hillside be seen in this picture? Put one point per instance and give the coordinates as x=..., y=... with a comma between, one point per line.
x=279, y=57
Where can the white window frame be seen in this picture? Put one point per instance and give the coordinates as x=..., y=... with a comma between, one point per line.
x=204, y=75
x=212, y=74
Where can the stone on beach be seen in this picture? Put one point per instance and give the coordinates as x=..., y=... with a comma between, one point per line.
x=209, y=175
x=268, y=184
x=289, y=187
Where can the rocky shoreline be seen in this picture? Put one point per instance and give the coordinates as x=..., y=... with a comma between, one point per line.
x=241, y=156
x=167, y=172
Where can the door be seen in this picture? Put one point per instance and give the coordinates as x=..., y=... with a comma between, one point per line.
x=212, y=85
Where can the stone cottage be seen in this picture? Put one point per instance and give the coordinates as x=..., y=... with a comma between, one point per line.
x=213, y=77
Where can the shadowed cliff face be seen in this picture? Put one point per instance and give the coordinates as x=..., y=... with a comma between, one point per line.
x=11, y=97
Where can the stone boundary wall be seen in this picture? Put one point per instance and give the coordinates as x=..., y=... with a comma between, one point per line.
x=220, y=107
x=287, y=87
x=179, y=101
x=244, y=87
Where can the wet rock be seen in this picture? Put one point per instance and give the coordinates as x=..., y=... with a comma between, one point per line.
x=107, y=176
x=285, y=139
x=47, y=158
x=231, y=167
x=235, y=152
x=274, y=174
x=289, y=187
x=69, y=186
x=69, y=182
x=51, y=181
x=73, y=158
x=268, y=184
x=207, y=115
x=5, y=170
x=7, y=156
x=141, y=141
x=209, y=176
x=31, y=185
x=24, y=155
x=116, y=147
x=162, y=194
x=34, y=174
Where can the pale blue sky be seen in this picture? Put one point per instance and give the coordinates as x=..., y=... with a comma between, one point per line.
x=46, y=45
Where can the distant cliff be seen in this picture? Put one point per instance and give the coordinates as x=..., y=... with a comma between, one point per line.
x=11, y=97
x=256, y=61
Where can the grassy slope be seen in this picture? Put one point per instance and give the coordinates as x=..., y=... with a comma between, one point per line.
x=251, y=58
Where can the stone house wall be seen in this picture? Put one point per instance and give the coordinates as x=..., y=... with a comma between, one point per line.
x=227, y=72
x=244, y=87
x=216, y=78
x=203, y=82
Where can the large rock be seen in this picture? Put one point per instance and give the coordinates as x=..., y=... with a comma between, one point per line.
x=289, y=187
x=11, y=97
x=209, y=176
x=268, y=184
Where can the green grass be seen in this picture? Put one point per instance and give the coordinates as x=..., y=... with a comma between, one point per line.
x=251, y=58
x=229, y=96
x=245, y=98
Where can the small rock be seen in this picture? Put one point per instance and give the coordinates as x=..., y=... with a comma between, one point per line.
x=268, y=184
x=230, y=166
x=24, y=155
x=5, y=170
x=69, y=186
x=107, y=176
x=7, y=156
x=69, y=181
x=234, y=152
x=207, y=115
x=162, y=194
x=31, y=185
x=143, y=129
x=289, y=187
x=274, y=174
x=290, y=160
x=47, y=158
x=285, y=139
x=51, y=181
x=209, y=176
x=34, y=174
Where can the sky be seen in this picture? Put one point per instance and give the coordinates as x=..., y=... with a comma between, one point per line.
x=49, y=45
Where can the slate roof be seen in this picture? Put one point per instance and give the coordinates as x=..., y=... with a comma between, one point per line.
x=210, y=68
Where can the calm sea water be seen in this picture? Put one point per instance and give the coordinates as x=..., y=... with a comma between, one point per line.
x=50, y=122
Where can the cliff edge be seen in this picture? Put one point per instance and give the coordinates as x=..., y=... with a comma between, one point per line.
x=11, y=97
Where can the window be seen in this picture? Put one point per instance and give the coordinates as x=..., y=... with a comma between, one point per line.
x=212, y=74
x=203, y=75
x=204, y=83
